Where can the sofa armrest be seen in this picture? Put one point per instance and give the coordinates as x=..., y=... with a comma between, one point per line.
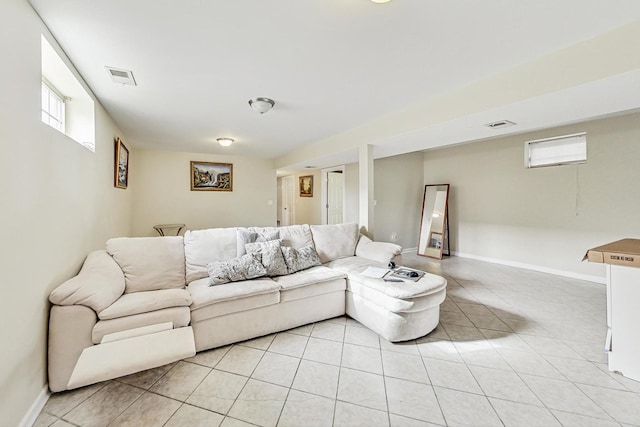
x=98, y=285
x=382, y=252
x=69, y=334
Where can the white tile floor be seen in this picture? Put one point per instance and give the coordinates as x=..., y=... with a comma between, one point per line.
x=514, y=348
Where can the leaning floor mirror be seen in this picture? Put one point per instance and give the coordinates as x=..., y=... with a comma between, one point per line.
x=433, y=224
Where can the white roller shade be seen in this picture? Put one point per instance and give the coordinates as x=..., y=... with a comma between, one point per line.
x=561, y=150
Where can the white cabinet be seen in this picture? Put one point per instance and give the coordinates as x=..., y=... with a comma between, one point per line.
x=623, y=319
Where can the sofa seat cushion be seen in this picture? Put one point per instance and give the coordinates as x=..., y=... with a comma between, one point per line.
x=178, y=316
x=149, y=263
x=144, y=302
x=214, y=301
x=417, y=303
x=353, y=264
x=204, y=246
x=311, y=282
x=308, y=277
x=428, y=284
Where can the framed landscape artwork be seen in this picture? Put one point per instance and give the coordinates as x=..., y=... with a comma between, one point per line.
x=121, y=172
x=306, y=186
x=208, y=176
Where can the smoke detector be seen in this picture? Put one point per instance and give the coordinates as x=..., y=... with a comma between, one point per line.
x=500, y=124
x=124, y=77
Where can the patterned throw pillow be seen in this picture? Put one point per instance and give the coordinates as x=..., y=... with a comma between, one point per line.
x=234, y=270
x=271, y=256
x=244, y=237
x=300, y=259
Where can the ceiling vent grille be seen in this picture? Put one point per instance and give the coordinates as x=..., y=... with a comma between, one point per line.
x=500, y=124
x=124, y=77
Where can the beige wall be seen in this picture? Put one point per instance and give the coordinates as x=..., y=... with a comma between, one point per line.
x=351, y=189
x=544, y=217
x=398, y=187
x=58, y=203
x=165, y=194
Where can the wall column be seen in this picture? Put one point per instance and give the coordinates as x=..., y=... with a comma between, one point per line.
x=365, y=173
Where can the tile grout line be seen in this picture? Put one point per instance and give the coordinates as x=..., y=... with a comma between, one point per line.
x=335, y=403
x=519, y=374
x=429, y=376
x=294, y=375
x=248, y=377
x=384, y=381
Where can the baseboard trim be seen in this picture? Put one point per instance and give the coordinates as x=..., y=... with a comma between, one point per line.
x=409, y=250
x=36, y=407
x=539, y=268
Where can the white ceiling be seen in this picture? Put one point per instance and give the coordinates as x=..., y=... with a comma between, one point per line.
x=332, y=66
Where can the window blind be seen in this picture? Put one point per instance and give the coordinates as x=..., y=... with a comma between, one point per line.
x=561, y=150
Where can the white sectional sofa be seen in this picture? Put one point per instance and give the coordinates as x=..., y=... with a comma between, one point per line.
x=146, y=302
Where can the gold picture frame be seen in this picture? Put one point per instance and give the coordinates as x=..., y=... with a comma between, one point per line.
x=211, y=176
x=306, y=186
x=121, y=165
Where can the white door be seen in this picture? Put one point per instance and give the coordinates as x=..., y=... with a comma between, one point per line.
x=335, y=191
x=287, y=215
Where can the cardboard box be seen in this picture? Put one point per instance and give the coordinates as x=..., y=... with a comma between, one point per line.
x=623, y=252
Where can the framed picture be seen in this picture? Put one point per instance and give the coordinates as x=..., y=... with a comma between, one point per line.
x=208, y=176
x=121, y=170
x=306, y=186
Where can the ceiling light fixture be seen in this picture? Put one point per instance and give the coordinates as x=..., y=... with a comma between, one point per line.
x=381, y=1
x=225, y=142
x=261, y=105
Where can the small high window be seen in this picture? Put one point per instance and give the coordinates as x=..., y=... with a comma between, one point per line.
x=560, y=150
x=66, y=103
x=53, y=109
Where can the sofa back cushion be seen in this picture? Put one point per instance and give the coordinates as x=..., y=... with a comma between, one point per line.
x=204, y=246
x=296, y=236
x=335, y=240
x=149, y=263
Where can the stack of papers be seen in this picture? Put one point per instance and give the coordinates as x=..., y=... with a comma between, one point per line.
x=376, y=272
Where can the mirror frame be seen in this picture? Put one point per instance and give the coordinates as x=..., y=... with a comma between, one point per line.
x=430, y=251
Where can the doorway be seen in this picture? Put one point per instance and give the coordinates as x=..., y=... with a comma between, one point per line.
x=287, y=208
x=333, y=193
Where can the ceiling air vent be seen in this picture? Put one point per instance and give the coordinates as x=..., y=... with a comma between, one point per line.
x=500, y=124
x=124, y=77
